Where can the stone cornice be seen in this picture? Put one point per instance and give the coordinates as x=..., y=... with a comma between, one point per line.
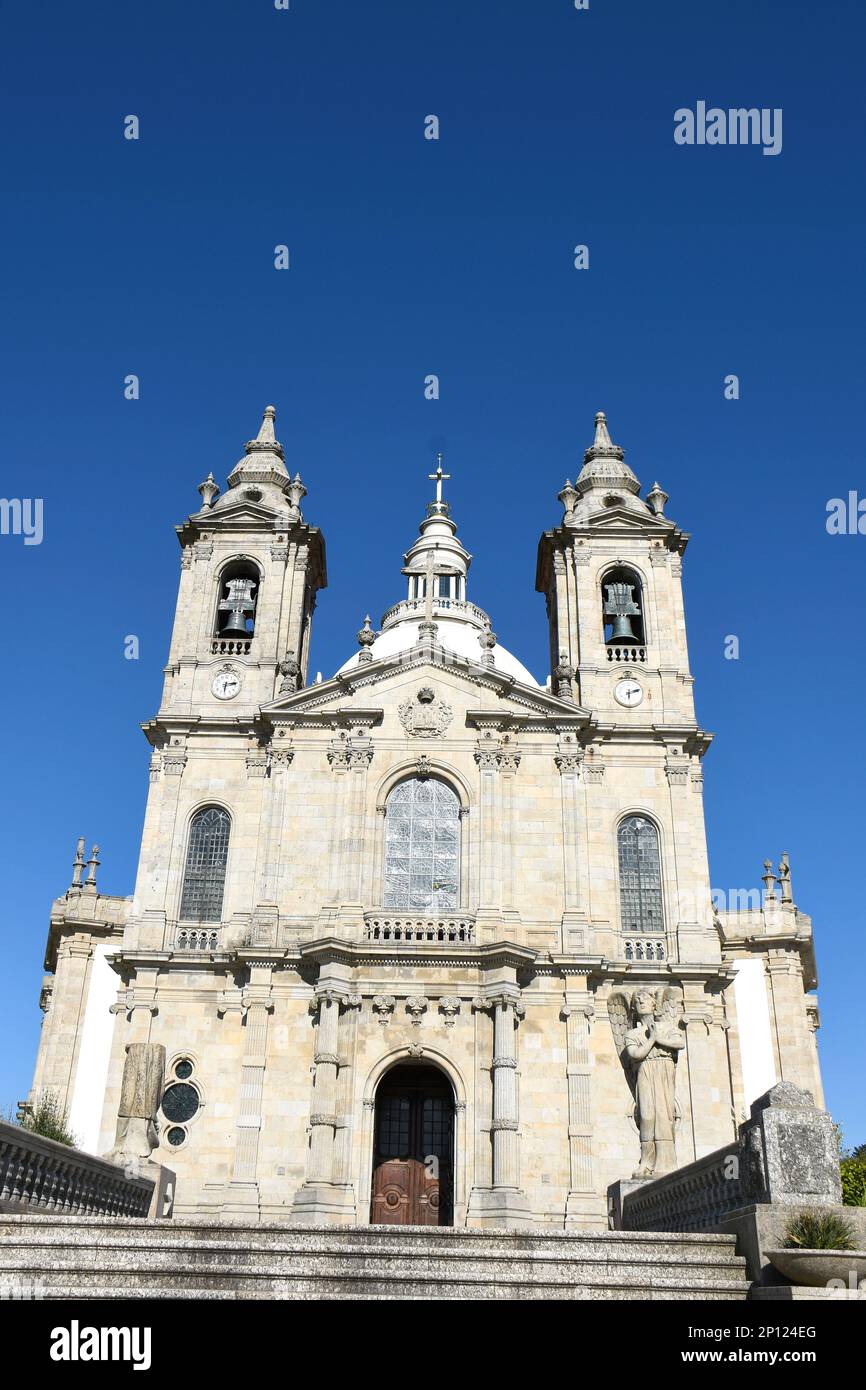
x=694, y=740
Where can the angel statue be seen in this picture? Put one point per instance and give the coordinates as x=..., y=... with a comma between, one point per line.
x=646, y=1029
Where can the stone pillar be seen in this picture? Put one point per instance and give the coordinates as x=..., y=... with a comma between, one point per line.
x=792, y=1036
x=324, y=1197
x=273, y=828
x=242, y=1194
x=710, y=1121
x=583, y=1208
x=568, y=758
x=486, y=756
x=58, y=1049
x=504, y=1203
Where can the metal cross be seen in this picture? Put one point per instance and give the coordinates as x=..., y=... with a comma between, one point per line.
x=438, y=477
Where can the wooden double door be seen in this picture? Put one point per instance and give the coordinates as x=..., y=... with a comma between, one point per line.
x=413, y=1149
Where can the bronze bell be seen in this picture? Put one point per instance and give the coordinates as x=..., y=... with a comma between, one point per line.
x=621, y=607
x=238, y=605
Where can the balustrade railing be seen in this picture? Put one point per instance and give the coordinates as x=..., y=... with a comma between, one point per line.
x=644, y=948
x=40, y=1175
x=196, y=939
x=231, y=646
x=450, y=931
x=626, y=653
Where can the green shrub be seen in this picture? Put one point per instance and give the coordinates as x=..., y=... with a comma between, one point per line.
x=853, y=1171
x=49, y=1119
x=819, y=1230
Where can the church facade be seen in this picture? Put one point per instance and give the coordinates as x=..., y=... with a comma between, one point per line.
x=426, y=942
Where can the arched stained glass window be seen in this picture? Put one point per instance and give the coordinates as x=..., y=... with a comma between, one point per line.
x=204, y=879
x=640, y=879
x=422, y=846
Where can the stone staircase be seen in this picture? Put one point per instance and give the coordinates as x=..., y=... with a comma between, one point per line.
x=107, y=1258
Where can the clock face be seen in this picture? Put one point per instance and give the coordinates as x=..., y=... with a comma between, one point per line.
x=628, y=692
x=226, y=685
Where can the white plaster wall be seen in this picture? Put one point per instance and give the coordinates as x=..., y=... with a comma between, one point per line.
x=91, y=1075
x=753, y=1020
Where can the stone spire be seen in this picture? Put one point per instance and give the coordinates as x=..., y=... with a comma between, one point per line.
x=263, y=460
x=604, y=464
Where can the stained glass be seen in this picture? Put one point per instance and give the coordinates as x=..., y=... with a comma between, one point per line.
x=422, y=840
x=640, y=886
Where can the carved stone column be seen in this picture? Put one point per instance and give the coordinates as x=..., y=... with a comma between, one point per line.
x=273, y=828
x=487, y=758
x=568, y=758
x=504, y=1203
x=242, y=1193
x=323, y=1197
x=583, y=1208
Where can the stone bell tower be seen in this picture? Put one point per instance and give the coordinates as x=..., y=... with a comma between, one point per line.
x=611, y=573
x=250, y=571
x=251, y=567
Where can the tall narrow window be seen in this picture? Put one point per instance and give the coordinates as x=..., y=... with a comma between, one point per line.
x=640, y=879
x=422, y=846
x=205, y=875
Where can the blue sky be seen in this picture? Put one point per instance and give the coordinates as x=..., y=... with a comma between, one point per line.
x=408, y=257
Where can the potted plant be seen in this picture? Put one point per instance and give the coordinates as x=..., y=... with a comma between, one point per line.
x=819, y=1248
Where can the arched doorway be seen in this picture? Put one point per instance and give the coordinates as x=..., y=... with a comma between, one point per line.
x=413, y=1148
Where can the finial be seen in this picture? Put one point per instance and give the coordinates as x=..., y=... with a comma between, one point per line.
x=290, y=671
x=366, y=638
x=487, y=638
x=769, y=879
x=295, y=492
x=564, y=675
x=266, y=433
x=92, y=866
x=77, y=866
x=656, y=499
x=266, y=440
x=602, y=437
x=785, y=880
x=209, y=491
x=568, y=496
x=602, y=445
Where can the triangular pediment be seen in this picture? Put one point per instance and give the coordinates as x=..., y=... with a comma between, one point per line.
x=623, y=521
x=364, y=688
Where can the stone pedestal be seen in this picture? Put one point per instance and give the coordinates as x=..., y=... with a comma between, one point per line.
x=498, y=1206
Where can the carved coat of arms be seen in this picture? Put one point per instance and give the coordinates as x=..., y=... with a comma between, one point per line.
x=424, y=715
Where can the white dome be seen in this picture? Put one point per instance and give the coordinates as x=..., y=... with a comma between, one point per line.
x=454, y=635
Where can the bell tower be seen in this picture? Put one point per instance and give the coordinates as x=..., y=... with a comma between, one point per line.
x=251, y=567
x=611, y=573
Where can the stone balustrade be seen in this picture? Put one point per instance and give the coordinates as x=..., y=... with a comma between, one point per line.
x=626, y=653
x=40, y=1175
x=452, y=930
x=231, y=646
x=196, y=939
x=644, y=948
x=784, y=1155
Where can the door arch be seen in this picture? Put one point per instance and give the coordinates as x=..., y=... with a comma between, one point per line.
x=413, y=1148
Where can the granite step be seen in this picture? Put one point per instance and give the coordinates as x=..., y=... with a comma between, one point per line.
x=99, y=1258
